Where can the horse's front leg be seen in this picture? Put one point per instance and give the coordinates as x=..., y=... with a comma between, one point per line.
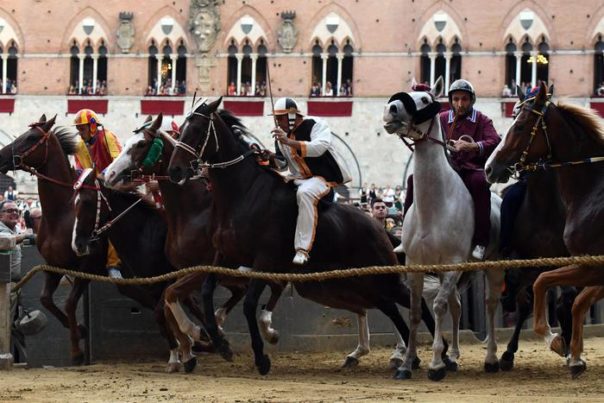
x=352, y=359
x=524, y=306
x=51, y=283
x=220, y=343
x=415, y=283
x=493, y=289
x=437, y=368
x=583, y=302
x=250, y=306
x=71, y=305
x=270, y=334
x=455, y=309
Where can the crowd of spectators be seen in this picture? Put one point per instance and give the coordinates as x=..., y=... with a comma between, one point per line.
x=30, y=211
x=11, y=86
x=88, y=88
x=344, y=91
x=166, y=88
x=259, y=89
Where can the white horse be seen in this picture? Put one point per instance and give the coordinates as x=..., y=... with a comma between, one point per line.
x=438, y=227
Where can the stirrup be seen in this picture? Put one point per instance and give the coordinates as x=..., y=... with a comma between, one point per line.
x=479, y=252
x=301, y=257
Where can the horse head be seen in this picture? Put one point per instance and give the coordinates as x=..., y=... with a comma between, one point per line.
x=406, y=110
x=89, y=212
x=30, y=149
x=198, y=142
x=526, y=140
x=140, y=154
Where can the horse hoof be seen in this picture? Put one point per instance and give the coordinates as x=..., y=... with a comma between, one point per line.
x=416, y=362
x=491, y=367
x=402, y=374
x=437, y=374
x=506, y=362
x=577, y=370
x=201, y=347
x=224, y=349
x=350, y=362
x=451, y=366
x=77, y=359
x=263, y=364
x=173, y=367
x=190, y=365
x=273, y=338
x=83, y=331
x=395, y=363
x=558, y=346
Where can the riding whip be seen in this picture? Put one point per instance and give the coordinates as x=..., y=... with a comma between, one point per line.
x=270, y=92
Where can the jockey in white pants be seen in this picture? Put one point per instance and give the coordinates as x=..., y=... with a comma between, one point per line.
x=304, y=145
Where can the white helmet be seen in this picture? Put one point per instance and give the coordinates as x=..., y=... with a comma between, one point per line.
x=286, y=105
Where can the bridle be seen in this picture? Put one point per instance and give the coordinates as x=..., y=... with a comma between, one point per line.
x=423, y=136
x=522, y=165
x=198, y=163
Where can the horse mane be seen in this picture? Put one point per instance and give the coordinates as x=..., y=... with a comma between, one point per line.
x=587, y=120
x=68, y=139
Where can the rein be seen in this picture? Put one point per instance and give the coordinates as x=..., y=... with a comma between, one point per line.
x=424, y=136
x=522, y=165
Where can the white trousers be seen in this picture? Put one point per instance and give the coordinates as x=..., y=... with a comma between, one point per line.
x=309, y=192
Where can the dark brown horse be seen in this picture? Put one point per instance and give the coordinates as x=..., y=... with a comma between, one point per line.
x=45, y=150
x=570, y=140
x=255, y=214
x=189, y=238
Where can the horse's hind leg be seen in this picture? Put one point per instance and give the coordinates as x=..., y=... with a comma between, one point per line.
x=564, y=314
x=398, y=355
x=352, y=359
x=78, y=288
x=585, y=299
x=523, y=310
x=51, y=283
x=178, y=291
x=455, y=309
x=265, y=319
x=237, y=293
x=250, y=305
x=220, y=343
x=493, y=288
x=167, y=330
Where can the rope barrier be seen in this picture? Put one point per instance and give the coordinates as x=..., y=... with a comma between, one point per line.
x=326, y=275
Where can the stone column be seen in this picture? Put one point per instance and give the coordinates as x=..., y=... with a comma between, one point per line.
x=518, y=56
x=432, y=56
x=173, y=57
x=340, y=57
x=6, y=358
x=254, y=57
x=4, y=72
x=81, y=72
x=95, y=69
x=239, y=57
x=448, y=56
x=534, y=54
x=324, y=57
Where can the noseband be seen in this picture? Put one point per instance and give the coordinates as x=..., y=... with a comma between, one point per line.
x=522, y=165
x=18, y=159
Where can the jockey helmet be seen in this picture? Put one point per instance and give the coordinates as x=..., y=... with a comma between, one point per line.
x=87, y=117
x=462, y=85
x=286, y=105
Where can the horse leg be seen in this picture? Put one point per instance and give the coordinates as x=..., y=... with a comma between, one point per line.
x=166, y=330
x=352, y=359
x=455, y=310
x=523, y=311
x=401, y=329
x=397, y=356
x=220, y=343
x=237, y=293
x=415, y=282
x=78, y=288
x=428, y=319
x=493, y=288
x=250, y=305
x=51, y=283
x=585, y=299
x=265, y=319
x=564, y=314
x=177, y=291
x=567, y=275
x=437, y=368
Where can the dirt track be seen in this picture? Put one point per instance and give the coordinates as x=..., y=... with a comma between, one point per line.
x=539, y=376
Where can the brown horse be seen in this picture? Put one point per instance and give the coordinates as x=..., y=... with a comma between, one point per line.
x=570, y=140
x=189, y=239
x=45, y=151
x=255, y=213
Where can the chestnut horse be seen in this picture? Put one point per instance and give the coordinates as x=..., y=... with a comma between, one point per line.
x=570, y=140
x=189, y=238
x=43, y=150
x=255, y=215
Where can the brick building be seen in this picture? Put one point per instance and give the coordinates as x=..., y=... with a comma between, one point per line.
x=340, y=58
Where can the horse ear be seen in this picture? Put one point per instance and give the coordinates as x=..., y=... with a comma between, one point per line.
x=214, y=105
x=157, y=122
x=437, y=88
x=550, y=91
x=42, y=118
x=49, y=124
x=520, y=93
x=149, y=118
x=541, y=96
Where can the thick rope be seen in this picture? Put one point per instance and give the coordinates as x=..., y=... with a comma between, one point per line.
x=327, y=275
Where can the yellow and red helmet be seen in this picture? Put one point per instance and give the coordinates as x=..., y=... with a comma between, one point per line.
x=87, y=117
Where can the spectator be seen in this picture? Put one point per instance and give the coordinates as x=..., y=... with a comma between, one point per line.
x=506, y=92
x=232, y=90
x=600, y=90
x=513, y=88
x=328, y=90
x=315, y=90
x=35, y=216
x=348, y=87
x=379, y=211
x=10, y=194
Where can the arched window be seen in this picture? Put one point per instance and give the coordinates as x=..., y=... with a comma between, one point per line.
x=543, y=61
x=246, y=87
x=599, y=67
x=425, y=62
x=526, y=65
x=74, y=70
x=101, y=75
x=440, y=66
x=317, y=70
x=232, y=70
x=181, y=70
x=260, y=90
x=455, y=68
x=510, y=65
x=9, y=70
x=153, y=82
x=88, y=69
x=331, y=89
x=347, y=64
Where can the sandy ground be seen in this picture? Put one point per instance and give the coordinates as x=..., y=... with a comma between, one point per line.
x=539, y=376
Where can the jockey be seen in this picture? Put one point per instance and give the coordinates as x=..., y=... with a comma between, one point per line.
x=97, y=148
x=473, y=136
x=306, y=146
